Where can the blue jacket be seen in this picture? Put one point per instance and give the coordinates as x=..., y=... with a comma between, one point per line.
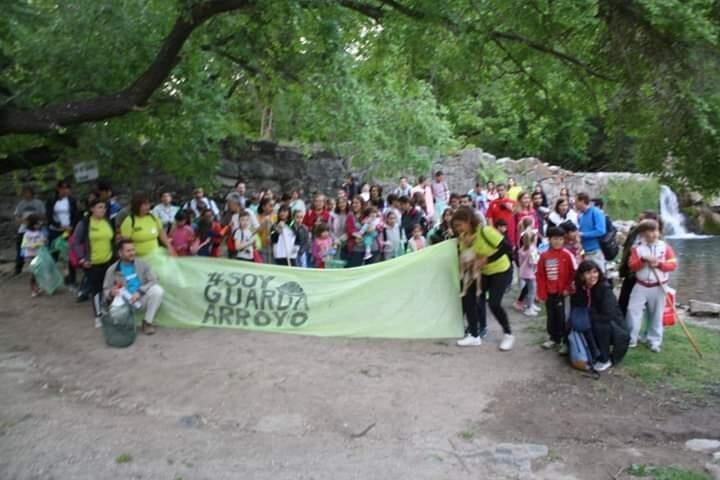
x=592, y=227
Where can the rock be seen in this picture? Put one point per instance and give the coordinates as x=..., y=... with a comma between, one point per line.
x=698, y=308
x=713, y=469
x=702, y=444
x=716, y=457
x=520, y=451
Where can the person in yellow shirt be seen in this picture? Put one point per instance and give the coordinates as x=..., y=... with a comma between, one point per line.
x=486, y=251
x=514, y=189
x=144, y=229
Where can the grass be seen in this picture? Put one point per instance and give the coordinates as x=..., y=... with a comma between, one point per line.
x=465, y=435
x=665, y=473
x=625, y=199
x=678, y=365
x=123, y=458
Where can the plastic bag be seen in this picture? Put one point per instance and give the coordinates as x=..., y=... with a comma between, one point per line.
x=47, y=275
x=118, y=325
x=60, y=245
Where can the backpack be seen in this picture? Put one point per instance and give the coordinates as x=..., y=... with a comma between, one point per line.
x=579, y=351
x=608, y=243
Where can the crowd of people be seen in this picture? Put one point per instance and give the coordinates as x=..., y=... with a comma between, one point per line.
x=558, y=247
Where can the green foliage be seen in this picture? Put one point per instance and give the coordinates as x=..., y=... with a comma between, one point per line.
x=626, y=199
x=123, y=458
x=678, y=365
x=665, y=473
x=491, y=172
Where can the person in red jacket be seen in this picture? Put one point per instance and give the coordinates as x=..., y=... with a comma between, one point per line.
x=555, y=273
x=503, y=208
x=318, y=214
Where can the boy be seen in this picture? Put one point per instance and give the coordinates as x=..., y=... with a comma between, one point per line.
x=244, y=238
x=555, y=272
x=572, y=240
x=651, y=259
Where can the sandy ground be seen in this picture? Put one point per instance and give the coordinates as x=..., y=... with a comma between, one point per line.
x=226, y=404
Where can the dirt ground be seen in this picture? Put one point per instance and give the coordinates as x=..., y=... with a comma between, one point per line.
x=226, y=404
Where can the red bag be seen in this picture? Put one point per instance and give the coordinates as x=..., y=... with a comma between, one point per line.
x=669, y=315
x=257, y=256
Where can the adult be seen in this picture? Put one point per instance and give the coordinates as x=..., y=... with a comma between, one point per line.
x=479, y=198
x=130, y=279
x=539, y=189
x=266, y=219
x=353, y=224
x=165, y=211
x=241, y=193
x=411, y=216
x=541, y=211
x=595, y=294
x=491, y=192
x=376, y=198
x=62, y=215
x=143, y=228
x=93, y=247
x=199, y=199
x=524, y=209
x=565, y=193
x=350, y=186
x=483, y=249
x=440, y=190
x=28, y=205
x=428, y=203
x=443, y=230
x=104, y=192
x=562, y=213
x=513, y=189
x=365, y=192
x=503, y=208
x=296, y=202
x=628, y=276
x=592, y=229
x=404, y=188
x=318, y=213
x=338, y=217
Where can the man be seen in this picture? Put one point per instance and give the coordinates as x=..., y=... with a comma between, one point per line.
x=28, y=205
x=454, y=201
x=479, y=199
x=404, y=189
x=199, y=200
x=350, y=186
x=411, y=216
x=440, y=190
x=503, y=208
x=592, y=229
x=131, y=280
x=165, y=211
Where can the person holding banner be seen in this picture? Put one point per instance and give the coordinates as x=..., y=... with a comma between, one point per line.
x=484, y=251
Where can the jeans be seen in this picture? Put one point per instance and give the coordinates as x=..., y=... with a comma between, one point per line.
x=529, y=287
x=556, y=326
x=599, y=259
x=493, y=290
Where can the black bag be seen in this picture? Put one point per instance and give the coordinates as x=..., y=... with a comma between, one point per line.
x=608, y=243
x=620, y=341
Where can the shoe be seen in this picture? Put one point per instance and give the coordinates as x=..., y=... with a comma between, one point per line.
x=469, y=341
x=536, y=308
x=643, y=341
x=483, y=333
x=98, y=322
x=632, y=344
x=530, y=313
x=655, y=348
x=602, y=366
x=519, y=306
x=548, y=345
x=507, y=343
x=563, y=350
x=147, y=328
x=35, y=293
x=82, y=297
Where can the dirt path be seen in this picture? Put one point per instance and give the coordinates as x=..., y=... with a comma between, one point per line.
x=217, y=404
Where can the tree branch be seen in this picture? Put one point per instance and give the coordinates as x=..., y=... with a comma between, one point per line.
x=32, y=157
x=54, y=117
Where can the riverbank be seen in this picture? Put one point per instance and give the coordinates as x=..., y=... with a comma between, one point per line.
x=211, y=403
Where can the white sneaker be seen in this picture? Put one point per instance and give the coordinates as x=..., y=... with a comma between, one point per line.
x=469, y=341
x=536, y=308
x=530, y=313
x=602, y=366
x=548, y=345
x=507, y=343
x=98, y=322
x=632, y=344
x=563, y=350
x=655, y=348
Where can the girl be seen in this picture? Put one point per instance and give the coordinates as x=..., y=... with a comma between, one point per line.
x=525, y=210
x=417, y=242
x=303, y=238
x=322, y=245
x=369, y=230
x=528, y=259
x=33, y=240
x=393, y=237
x=353, y=223
x=266, y=218
x=442, y=231
x=283, y=239
x=376, y=199
x=524, y=227
x=490, y=192
x=338, y=218
x=202, y=245
x=182, y=234
x=244, y=238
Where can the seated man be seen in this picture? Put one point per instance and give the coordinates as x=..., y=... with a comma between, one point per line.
x=132, y=280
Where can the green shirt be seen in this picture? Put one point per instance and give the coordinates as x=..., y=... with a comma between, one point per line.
x=101, y=237
x=487, y=242
x=144, y=233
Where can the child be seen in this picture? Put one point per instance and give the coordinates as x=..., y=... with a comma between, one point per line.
x=244, y=238
x=322, y=245
x=202, y=245
x=572, y=241
x=393, y=237
x=527, y=259
x=369, y=230
x=652, y=260
x=417, y=242
x=502, y=227
x=554, y=277
x=283, y=239
x=33, y=240
x=302, y=238
x=182, y=234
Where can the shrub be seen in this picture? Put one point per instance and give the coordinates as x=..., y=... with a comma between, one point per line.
x=625, y=199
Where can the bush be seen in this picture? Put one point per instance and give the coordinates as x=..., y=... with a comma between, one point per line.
x=625, y=199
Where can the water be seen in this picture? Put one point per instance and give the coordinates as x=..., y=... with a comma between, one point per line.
x=698, y=273
x=673, y=220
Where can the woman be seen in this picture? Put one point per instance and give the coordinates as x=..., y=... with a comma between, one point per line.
x=376, y=199
x=562, y=213
x=62, y=216
x=93, y=247
x=443, y=231
x=483, y=249
x=565, y=193
x=428, y=202
x=491, y=192
x=593, y=292
x=266, y=219
x=353, y=224
x=525, y=210
x=338, y=218
x=143, y=228
x=365, y=192
x=539, y=189
x=514, y=189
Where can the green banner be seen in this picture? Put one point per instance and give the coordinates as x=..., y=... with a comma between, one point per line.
x=414, y=296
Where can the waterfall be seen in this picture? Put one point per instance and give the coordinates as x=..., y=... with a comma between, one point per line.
x=673, y=220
